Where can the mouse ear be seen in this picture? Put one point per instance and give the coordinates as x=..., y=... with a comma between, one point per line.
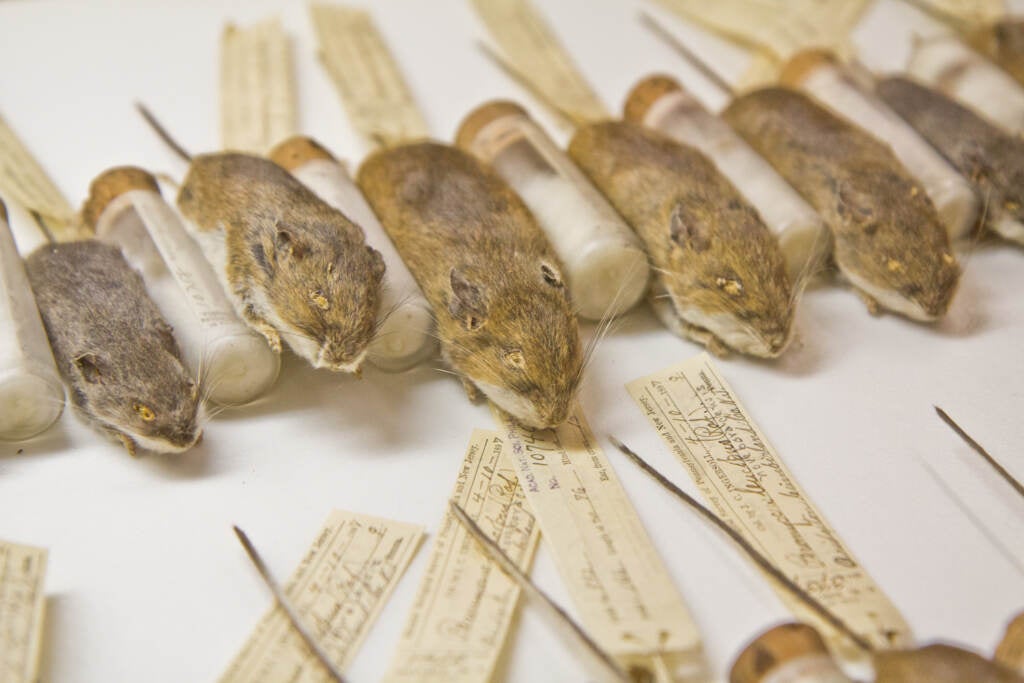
x=378, y=262
x=855, y=207
x=285, y=245
x=89, y=368
x=551, y=274
x=688, y=233
x=165, y=333
x=466, y=302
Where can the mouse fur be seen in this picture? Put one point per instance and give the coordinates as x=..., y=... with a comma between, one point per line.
x=503, y=310
x=889, y=241
x=293, y=266
x=717, y=261
x=115, y=351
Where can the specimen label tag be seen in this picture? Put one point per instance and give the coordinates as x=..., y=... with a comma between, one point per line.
x=257, y=88
x=465, y=605
x=528, y=43
x=746, y=483
x=338, y=589
x=23, y=180
x=973, y=12
x=779, y=27
x=22, y=604
x=366, y=76
x=624, y=595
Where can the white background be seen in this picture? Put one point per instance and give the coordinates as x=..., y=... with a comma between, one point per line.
x=146, y=580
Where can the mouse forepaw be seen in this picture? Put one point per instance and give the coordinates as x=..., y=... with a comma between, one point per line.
x=129, y=444
x=472, y=391
x=266, y=329
x=717, y=348
x=874, y=308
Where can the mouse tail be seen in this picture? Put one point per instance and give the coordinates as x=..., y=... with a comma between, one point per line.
x=162, y=133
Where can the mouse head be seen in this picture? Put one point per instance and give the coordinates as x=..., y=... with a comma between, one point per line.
x=323, y=291
x=893, y=246
x=727, y=274
x=513, y=335
x=147, y=396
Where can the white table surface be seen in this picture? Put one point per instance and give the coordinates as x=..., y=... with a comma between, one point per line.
x=146, y=581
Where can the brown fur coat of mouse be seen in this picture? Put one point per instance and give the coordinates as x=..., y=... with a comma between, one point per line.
x=493, y=280
x=716, y=260
x=115, y=351
x=888, y=239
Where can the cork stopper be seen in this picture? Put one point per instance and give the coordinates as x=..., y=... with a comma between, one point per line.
x=110, y=185
x=478, y=119
x=802, y=64
x=774, y=648
x=645, y=93
x=3, y=211
x=296, y=151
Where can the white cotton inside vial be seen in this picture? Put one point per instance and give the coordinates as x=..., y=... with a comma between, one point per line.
x=952, y=195
x=802, y=234
x=952, y=67
x=31, y=393
x=406, y=336
x=1008, y=227
x=606, y=267
x=236, y=363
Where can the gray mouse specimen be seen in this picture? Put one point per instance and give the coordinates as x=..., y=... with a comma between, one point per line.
x=293, y=266
x=115, y=351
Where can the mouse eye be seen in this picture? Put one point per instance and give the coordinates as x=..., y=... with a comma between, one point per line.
x=515, y=358
x=319, y=300
x=145, y=412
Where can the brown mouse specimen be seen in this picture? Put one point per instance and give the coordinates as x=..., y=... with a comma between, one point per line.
x=719, y=266
x=115, y=351
x=503, y=311
x=889, y=241
x=293, y=266
x=992, y=160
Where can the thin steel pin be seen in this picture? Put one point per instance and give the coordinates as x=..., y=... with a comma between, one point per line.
x=288, y=608
x=759, y=559
x=573, y=120
x=533, y=592
x=1003, y=472
x=686, y=53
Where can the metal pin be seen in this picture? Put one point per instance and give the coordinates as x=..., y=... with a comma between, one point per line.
x=760, y=560
x=1003, y=472
x=288, y=608
x=551, y=609
x=686, y=53
x=573, y=120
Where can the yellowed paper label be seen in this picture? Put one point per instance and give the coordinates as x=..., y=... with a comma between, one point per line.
x=257, y=89
x=1010, y=652
x=376, y=96
x=22, y=605
x=746, y=483
x=779, y=27
x=338, y=589
x=622, y=591
x=23, y=181
x=973, y=12
x=528, y=43
x=458, y=625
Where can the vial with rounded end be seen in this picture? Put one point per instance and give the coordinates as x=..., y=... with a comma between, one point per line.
x=659, y=102
x=790, y=653
x=820, y=75
x=948, y=64
x=406, y=335
x=125, y=209
x=606, y=264
x=31, y=393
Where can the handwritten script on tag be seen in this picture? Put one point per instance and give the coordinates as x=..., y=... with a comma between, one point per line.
x=22, y=604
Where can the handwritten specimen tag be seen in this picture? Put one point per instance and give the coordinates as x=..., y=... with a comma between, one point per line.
x=779, y=27
x=697, y=414
x=257, y=90
x=23, y=180
x=622, y=591
x=366, y=76
x=529, y=44
x=339, y=589
x=22, y=604
x=465, y=606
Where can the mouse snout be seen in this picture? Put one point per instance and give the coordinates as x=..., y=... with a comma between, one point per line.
x=186, y=435
x=341, y=357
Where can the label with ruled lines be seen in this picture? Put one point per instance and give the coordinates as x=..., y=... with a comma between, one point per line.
x=23, y=181
x=338, y=589
x=22, y=605
x=747, y=484
x=465, y=606
x=622, y=591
